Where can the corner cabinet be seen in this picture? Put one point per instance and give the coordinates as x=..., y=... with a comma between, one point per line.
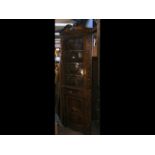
x=76, y=78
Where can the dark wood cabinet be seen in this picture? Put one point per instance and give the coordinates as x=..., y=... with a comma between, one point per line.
x=76, y=78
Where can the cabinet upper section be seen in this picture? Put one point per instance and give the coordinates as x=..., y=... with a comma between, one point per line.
x=76, y=56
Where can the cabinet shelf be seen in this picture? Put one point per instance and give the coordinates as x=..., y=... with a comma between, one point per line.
x=73, y=75
x=71, y=87
x=77, y=50
x=72, y=62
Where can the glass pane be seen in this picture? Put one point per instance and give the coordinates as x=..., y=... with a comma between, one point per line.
x=74, y=81
x=73, y=56
x=73, y=68
x=74, y=44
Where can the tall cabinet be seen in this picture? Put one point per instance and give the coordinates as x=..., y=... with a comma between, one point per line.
x=76, y=78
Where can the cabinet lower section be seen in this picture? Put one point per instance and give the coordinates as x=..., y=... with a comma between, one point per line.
x=77, y=110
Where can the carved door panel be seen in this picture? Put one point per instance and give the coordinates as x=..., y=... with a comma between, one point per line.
x=75, y=113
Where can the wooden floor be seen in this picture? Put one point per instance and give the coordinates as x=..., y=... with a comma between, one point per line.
x=61, y=130
x=66, y=131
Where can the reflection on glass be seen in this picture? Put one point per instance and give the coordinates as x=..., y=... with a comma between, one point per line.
x=82, y=73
